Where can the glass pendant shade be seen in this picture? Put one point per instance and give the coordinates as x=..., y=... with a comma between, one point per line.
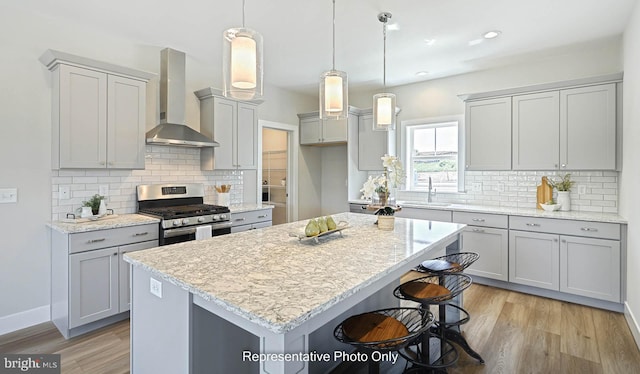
x=384, y=112
x=242, y=64
x=333, y=95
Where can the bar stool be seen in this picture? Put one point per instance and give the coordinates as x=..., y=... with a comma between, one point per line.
x=434, y=289
x=451, y=264
x=384, y=330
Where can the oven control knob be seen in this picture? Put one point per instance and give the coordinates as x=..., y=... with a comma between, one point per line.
x=223, y=216
x=176, y=222
x=216, y=217
x=185, y=221
x=200, y=219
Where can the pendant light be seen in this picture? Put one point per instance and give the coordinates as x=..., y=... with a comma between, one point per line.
x=384, y=104
x=242, y=62
x=334, y=103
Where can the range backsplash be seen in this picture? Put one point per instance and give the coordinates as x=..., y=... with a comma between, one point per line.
x=163, y=164
x=518, y=189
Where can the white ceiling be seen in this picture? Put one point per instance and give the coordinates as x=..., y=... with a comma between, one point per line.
x=297, y=33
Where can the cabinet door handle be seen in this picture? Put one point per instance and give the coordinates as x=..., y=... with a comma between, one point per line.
x=477, y=230
x=239, y=219
x=478, y=219
x=556, y=240
x=555, y=166
x=262, y=216
x=533, y=224
x=564, y=165
x=564, y=240
x=115, y=253
x=141, y=233
x=102, y=162
x=90, y=241
x=588, y=229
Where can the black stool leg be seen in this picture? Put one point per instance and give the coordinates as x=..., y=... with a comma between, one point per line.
x=374, y=367
x=456, y=337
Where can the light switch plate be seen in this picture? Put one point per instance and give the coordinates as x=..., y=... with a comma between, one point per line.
x=155, y=287
x=582, y=190
x=8, y=195
x=476, y=187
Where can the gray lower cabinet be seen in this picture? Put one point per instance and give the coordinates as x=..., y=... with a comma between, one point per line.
x=90, y=279
x=93, y=286
x=492, y=246
x=590, y=267
x=251, y=220
x=534, y=259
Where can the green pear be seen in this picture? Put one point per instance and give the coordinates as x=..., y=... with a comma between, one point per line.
x=312, y=228
x=322, y=224
x=331, y=224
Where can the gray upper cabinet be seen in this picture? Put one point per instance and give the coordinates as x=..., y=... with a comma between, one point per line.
x=536, y=131
x=588, y=128
x=313, y=130
x=488, y=134
x=557, y=126
x=234, y=125
x=98, y=113
x=372, y=145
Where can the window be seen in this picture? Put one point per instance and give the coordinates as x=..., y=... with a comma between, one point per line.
x=431, y=149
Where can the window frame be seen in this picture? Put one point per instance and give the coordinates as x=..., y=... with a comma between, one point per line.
x=406, y=152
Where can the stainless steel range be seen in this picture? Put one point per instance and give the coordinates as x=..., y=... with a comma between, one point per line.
x=181, y=210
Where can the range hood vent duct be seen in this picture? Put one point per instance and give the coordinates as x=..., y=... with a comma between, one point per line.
x=172, y=130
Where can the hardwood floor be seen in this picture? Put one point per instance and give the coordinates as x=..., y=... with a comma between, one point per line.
x=514, y=333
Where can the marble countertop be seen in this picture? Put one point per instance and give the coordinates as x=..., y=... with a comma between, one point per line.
x=103, y=224
x=278, y=281
x=239, y=208
x=513, y=211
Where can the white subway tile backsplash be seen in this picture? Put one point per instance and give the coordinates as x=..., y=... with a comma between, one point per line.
x=163, y=164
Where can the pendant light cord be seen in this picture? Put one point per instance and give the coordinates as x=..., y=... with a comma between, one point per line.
x=243, y=1
x=334, y=35
x=384, y=54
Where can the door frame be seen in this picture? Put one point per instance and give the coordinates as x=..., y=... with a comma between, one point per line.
x=292, y=162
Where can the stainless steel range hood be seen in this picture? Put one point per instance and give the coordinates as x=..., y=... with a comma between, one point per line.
x=172, y=130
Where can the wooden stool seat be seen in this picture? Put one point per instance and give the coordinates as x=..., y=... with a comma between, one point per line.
x=373, y=327
x=423, y=290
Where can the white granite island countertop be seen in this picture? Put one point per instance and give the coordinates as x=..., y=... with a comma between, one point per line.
x=278, y=282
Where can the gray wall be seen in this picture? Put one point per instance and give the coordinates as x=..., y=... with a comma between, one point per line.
x=630, y=178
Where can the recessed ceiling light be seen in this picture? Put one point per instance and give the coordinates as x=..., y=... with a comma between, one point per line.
x=429, y=42
x=475, y=42
x=422, y=73
x=491, y=34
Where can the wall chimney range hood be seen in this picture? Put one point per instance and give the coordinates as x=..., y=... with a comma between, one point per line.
x=172, y=130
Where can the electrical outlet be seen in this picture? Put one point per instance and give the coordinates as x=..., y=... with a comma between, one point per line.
x=104, y=190
x=155, y=287
x=476, y=187
x=582, y=190
x=64, y=192
x=8, y=195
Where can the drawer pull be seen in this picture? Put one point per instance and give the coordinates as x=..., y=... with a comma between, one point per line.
x=141, y=233
x=588, y=229
x=477, y=230
x=115, y=253
x=96, y=240
x=533, y=224
x=239, y=219
x=262, y=216
x=478, y=219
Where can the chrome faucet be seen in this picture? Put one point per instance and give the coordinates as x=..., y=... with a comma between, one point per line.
x=429, y=197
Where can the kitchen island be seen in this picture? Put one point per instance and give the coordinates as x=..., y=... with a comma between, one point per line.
x=211, y=305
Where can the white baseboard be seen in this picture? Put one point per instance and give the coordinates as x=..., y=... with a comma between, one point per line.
x=24, y=319
x=633, y=323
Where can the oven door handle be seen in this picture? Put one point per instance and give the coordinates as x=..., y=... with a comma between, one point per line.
x=177, y=232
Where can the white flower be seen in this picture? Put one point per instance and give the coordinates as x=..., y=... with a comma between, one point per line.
x=388, y=161
x=368, y=188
